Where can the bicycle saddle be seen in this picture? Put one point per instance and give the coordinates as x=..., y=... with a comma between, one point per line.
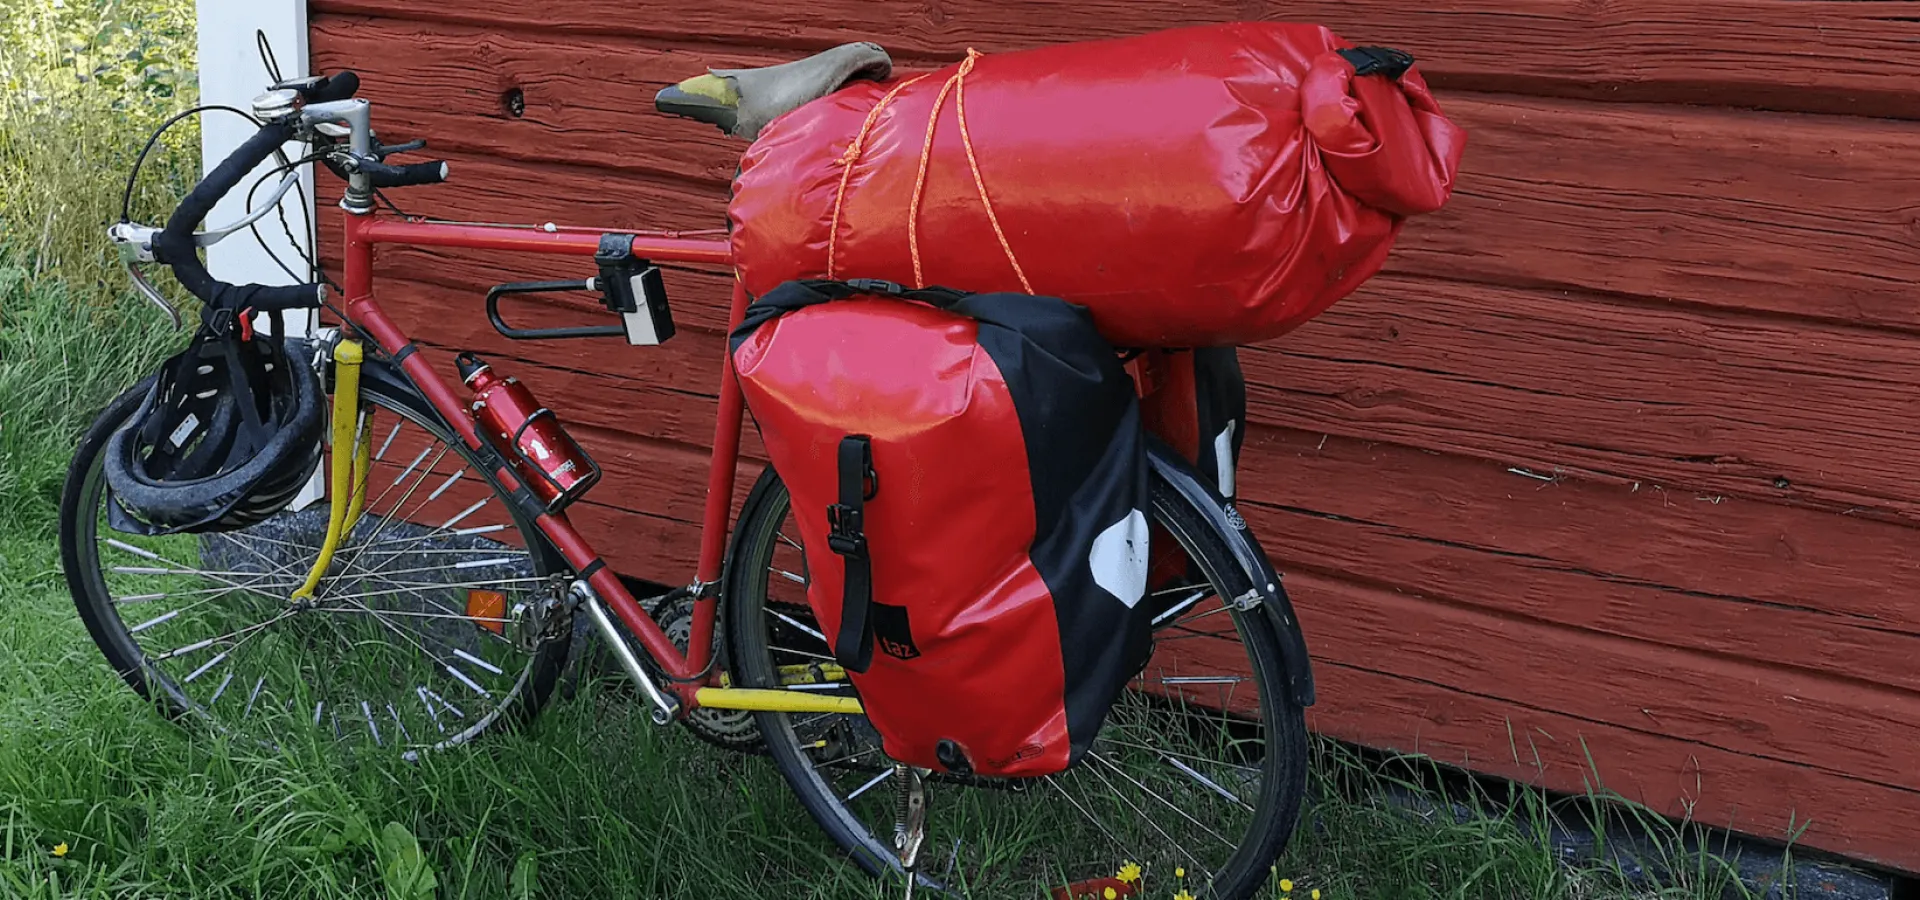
x=740, y=102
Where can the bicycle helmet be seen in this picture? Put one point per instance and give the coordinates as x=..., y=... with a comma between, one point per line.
x=230, y=432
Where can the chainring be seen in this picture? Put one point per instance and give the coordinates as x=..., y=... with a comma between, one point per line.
x=731, y=729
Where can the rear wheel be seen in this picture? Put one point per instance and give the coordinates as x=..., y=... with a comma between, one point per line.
x=1196, y=777
x=405, y=643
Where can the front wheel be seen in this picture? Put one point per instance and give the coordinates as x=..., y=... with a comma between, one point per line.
x=404, y=645
x=1193, y=784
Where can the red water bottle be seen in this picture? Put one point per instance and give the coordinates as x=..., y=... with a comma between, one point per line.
x=555, y=467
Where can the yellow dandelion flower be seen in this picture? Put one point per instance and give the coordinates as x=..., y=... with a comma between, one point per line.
x=1111, y=894
x=1183, y=895
x=1130, y=873
x=1316, y=894
x=60, y=849
x=1179, y=871
x=1286, y=885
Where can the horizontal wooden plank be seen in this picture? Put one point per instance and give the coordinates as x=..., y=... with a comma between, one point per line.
x=1816, y=55
x=1668, y=398
x=1680, y=779
x=1739, y=706
x=1804, y=216
x=1798, y=216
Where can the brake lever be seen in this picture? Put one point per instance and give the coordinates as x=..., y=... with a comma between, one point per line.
x=382, y=150
x=147, y=290
x=135, y=243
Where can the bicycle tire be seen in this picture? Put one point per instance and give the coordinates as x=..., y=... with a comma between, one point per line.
x=82, y=533
x=1284, y=769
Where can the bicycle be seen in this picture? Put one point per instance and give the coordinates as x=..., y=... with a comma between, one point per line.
x=431, y=599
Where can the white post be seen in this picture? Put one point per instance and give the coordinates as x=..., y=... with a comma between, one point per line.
x=232, y=74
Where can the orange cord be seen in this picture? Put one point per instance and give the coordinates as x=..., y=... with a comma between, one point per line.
x=955, y=85
x=852, y=156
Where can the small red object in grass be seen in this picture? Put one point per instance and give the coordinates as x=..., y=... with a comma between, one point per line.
x=1096, y=889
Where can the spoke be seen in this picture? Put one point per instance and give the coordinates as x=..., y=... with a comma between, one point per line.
x=203, y=669
x=844, y=759
x=469, y=682
x=1117, y=842
x=1212, y=612
x=1160, y=752
x=401, y=503
x=1178, y=608
x=867, y=787
x=797, y=624
x=463, y=514
x=221, y=689
x=1210, y=783
x=789, y=541
x=1151, y=793
x=1201, y=679
x=435, y=495
x=257, y=685
x=402, y=726
x=382, y=454
x=152, y=622
x=368, y=611
x=802, y=653
x=478, y=661
x=367, y=710
x=796, y=579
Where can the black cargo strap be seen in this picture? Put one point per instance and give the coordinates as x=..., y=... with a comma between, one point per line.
x=1378, y=61
x=853, y=647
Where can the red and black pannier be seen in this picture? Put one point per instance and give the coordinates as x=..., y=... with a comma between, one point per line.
x=969, y=476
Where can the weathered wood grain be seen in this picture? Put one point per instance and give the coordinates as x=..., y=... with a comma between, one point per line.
x=1789, y=412
x=1801, y=216
x=1676, y=778
x=1815, y=55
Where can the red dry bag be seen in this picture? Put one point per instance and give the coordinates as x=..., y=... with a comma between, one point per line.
x=969, y=480
x=1203, y=186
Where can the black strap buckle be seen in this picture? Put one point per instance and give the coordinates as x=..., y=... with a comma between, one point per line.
x=876, y=286
x=1378, y=61
x=844, y=534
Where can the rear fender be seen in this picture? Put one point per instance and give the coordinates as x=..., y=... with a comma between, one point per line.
x=1220, y=515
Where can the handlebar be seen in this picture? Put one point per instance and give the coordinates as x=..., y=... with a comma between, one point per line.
x=327, y=99
x=174, y=245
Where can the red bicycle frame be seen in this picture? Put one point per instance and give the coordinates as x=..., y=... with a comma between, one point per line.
x=689, y=671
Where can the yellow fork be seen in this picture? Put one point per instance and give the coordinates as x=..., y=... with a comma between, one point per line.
x=352, y=457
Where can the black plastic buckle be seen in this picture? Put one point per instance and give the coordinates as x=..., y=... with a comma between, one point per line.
x=220, y=320
x=844, y=535
x=1378, y=61
x=876, y=286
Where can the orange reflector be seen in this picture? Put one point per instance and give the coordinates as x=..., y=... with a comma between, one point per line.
x=488, y=609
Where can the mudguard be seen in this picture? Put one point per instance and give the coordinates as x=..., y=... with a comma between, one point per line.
x=1225, y=520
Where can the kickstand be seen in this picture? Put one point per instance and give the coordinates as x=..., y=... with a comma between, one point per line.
x=910, y=820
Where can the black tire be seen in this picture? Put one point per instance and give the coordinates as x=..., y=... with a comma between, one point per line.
x=1283, y=766
x=83, y=531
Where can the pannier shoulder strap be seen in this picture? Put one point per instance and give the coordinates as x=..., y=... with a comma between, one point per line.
x=1378, y=61
x=853, y=646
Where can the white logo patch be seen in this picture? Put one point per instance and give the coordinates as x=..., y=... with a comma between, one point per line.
x=1119, y=558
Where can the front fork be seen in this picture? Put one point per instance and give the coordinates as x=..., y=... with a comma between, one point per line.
x=352, y=457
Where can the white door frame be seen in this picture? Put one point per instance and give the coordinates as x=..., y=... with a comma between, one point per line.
x=232, y=74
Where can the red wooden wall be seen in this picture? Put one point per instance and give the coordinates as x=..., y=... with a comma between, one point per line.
x=1614, y=464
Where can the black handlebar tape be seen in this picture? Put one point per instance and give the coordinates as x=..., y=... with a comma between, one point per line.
x=341, y=85
x=385, y=176
x=174, y=244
